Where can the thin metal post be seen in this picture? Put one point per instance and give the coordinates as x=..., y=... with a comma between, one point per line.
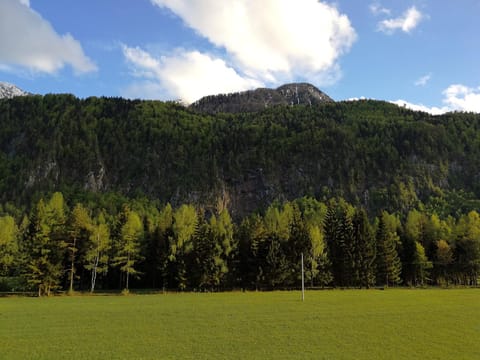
x=303, y=281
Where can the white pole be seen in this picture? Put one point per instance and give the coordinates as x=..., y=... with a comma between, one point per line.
x=303, y=281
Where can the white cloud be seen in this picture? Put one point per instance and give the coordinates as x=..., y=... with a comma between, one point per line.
x=29, y=41
x=422, y=81
x=377, y=9
x=187, y=75
x=271, y=40
x=456, y=98
x=420, y=107
x=462, y=98
x=408, y=21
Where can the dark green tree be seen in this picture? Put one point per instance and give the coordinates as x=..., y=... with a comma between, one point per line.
x=388, y=263
x=365, y=248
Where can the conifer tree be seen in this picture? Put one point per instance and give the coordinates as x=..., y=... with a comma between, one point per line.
x=46, y=245
x=387, y=261
x=365, y=248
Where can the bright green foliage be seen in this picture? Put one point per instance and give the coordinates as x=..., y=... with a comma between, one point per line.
x=388, y=263
x=79, y=226
x=46, y=245
x=98, y=248
x=185, y=248
x=213, y=245
x=421, y=265
x=222, y=232
x=443, y=261
x=185, y=222
x=467, y=248
x=319, y=272
x=8, y=244
x=128, y=249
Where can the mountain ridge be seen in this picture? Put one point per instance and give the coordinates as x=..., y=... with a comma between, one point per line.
x=256, y=100
x=8, y=91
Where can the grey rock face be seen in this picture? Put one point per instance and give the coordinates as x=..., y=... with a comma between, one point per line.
x=8, y=91
x=259, y=99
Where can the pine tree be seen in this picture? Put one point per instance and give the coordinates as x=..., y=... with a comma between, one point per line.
x=365, y=248
x=331, y=229
x=387, y=261
x=347, y=254
x=46, y=245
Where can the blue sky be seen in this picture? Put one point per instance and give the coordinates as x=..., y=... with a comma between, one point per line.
x=422, y=53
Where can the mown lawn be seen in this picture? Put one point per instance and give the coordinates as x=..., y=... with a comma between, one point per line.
x=351, y=324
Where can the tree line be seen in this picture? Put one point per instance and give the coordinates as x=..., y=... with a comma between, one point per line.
x=85, y=247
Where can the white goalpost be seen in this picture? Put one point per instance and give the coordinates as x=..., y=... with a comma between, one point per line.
x=303, y=281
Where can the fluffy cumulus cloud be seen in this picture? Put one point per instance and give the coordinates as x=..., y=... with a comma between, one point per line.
x=188, y=75
x=265, y=42
x=408, y=21
x=462, y=98
x=455, y=98
x=29, y=41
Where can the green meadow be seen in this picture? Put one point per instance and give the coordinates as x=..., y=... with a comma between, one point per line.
x=349, y=324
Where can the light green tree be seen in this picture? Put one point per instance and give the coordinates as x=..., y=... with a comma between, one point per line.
x=319, y=270
x=97, y=252
x=8, y=244
x=128, y=251
x=46, y=245
x=79, y=226
x=443, y=261
x=421, y=264
x=185, y=221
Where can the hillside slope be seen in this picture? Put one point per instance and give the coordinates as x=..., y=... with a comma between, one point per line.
x=369, y=152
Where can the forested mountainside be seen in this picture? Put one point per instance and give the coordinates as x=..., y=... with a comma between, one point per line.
x=105, y=193
x=371, y=153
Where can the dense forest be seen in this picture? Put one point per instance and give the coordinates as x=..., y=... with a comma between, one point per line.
x=140, y=244
x=108, y=193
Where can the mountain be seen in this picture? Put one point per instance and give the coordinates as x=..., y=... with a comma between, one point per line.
x=371, y=153
x=259, y=99
x=8, y=91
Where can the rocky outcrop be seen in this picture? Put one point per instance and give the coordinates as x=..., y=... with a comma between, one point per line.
x=259, y=99
x=8, y=91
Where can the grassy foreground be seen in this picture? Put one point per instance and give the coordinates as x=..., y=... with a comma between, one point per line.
x=392, y=324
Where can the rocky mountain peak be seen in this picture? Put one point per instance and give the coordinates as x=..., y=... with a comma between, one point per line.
x=8, y=91
x=259, y=99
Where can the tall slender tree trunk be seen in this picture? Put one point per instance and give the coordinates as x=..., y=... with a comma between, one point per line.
x=94, y=270
x=128, y=269
x=72, y=266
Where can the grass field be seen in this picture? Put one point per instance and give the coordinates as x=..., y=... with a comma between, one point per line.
x=351, y=324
